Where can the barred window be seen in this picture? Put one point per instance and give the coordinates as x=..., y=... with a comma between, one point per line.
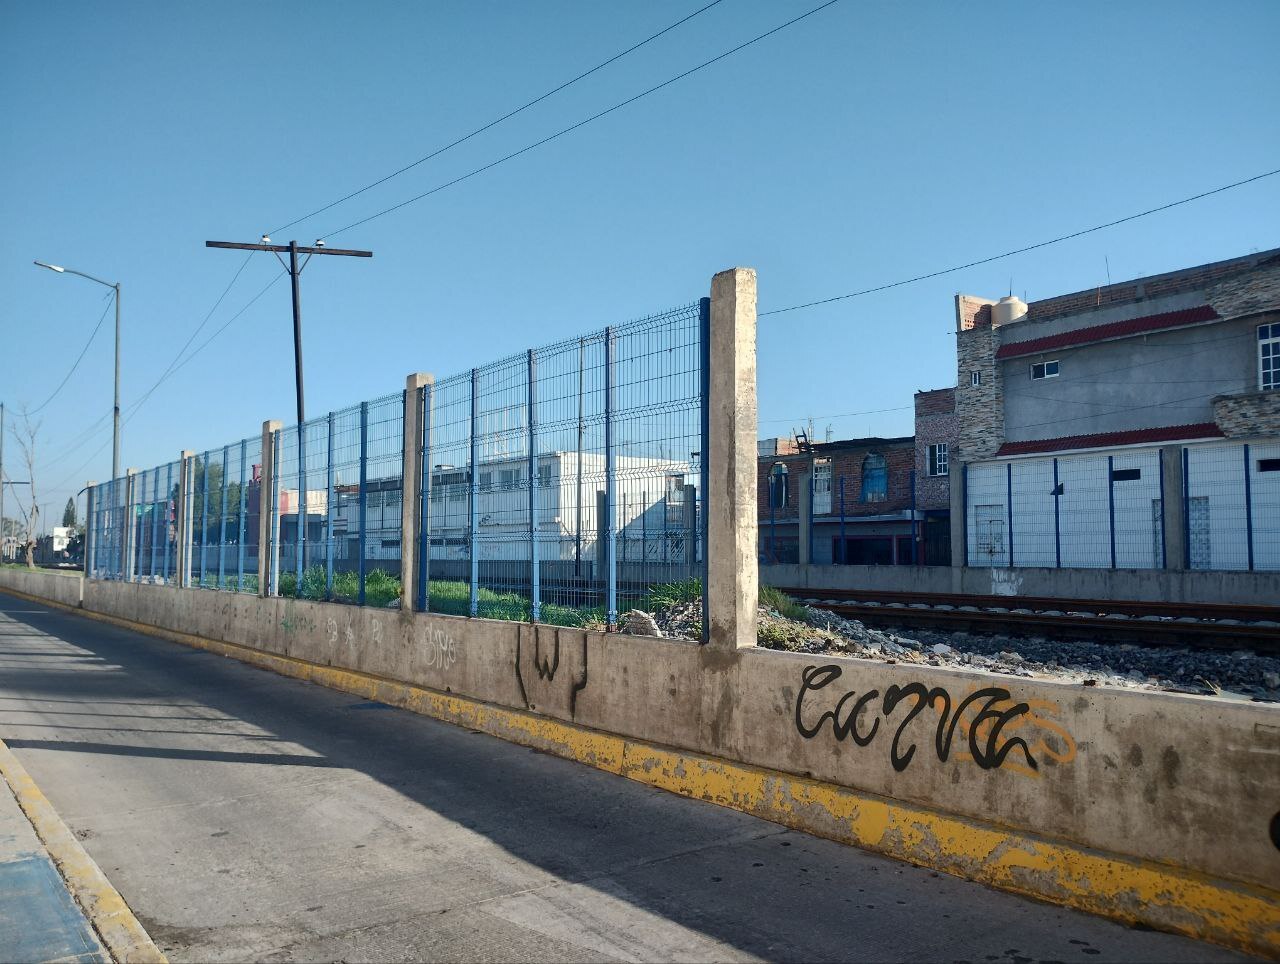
x=938, y=459
x=1269, y=356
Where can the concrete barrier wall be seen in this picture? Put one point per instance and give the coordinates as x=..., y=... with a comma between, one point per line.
x=63, y=588
x=1130, y=780
x=1144, y=585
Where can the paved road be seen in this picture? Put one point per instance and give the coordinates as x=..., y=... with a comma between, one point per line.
x=248, y=816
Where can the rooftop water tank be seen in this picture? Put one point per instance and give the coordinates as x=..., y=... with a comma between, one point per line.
x=1006, y=310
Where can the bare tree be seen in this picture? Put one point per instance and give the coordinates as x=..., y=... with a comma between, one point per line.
x=26, y=440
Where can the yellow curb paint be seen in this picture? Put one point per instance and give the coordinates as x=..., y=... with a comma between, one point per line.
x=121, y=934
x=1122, y=888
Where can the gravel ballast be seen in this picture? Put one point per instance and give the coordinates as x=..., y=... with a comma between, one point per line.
x=1240, y=674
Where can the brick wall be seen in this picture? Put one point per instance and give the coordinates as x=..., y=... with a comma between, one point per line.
x=846, y=463
x=936, y=422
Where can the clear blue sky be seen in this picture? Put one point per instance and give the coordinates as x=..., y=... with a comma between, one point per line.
x=869, y=143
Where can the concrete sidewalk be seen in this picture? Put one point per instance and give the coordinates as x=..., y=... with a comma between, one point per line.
x=39, y=920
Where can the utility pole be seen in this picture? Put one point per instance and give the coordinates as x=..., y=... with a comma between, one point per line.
x=295, y=272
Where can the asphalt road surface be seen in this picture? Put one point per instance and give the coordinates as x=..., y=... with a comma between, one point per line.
x=246, y=816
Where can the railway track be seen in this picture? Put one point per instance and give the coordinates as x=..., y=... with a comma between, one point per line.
x=1148, y=623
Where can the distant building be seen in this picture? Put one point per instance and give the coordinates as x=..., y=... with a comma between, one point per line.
x=860, y=491
x=1133, y=425
x=654, y=511
x=937, y=431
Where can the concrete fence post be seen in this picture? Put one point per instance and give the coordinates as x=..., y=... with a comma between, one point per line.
x=733, y=586
x=266, y=504
x=90, y=528
x=182, y=520
x=127, y=544
x=1172, y=508
x=805, y=535
x=410, y=503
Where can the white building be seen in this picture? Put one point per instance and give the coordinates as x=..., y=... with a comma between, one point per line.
x=653, y=518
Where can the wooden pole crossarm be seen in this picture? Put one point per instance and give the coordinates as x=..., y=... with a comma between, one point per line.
x=284, y=249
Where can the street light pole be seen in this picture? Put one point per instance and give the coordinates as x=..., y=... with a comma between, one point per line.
x=115, y=427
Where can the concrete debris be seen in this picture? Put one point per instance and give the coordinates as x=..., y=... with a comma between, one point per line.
x=640, y=623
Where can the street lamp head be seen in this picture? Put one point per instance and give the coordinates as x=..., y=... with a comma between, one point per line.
x=51, y=267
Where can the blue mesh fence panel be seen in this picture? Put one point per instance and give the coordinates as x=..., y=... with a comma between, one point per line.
x=560, y=484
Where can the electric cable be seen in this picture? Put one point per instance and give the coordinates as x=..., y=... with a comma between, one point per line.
x=76, y=364
x=494, y=123
x=1023, y=250
x=582, y=123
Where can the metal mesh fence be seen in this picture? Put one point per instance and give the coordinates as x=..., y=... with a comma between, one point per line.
x=1109, y=511
x=560, y=485
x=1232, y=506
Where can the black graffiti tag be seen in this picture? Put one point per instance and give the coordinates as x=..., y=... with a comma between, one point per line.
x=994, y=714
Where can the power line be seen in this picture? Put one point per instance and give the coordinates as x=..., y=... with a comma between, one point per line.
x=205, y=321
x=874, y=411
x=494, y=123
x=1169, y=402
x=79, y=358
x=581, y=123
x=175, y=368
x=1023, y=250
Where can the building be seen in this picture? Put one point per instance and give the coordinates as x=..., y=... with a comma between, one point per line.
x=845, y=502
x=655, y=520
x=1134, y=425
x=937, y=430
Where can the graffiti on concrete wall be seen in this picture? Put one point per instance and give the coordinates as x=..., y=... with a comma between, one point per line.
x=985, y=725
x=551, y=668
x=441, y=649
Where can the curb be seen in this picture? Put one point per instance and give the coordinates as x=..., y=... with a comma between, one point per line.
x=125, y=939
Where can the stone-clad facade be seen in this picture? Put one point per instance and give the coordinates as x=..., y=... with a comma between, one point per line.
x=1251, y=415
x=979, y=407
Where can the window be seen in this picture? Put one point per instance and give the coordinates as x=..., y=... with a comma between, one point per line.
x=875, y=478
x=510, y=478
x=778, y=486
x=675, y=501
x=544, y=475
x=1269, y=356
x=821, y=486
x=486, y=481
x=975, y=378
x=938, y=459
x=1269, y=465
x=1125, y=475
x=1047, y=369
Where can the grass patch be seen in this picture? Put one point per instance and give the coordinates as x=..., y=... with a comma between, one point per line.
x=781, y=603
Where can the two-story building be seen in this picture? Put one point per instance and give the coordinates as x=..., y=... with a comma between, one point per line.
x=1133, y=425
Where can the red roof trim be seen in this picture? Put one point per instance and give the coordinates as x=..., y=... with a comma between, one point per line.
x=1169, y=433
x=1116, y=329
